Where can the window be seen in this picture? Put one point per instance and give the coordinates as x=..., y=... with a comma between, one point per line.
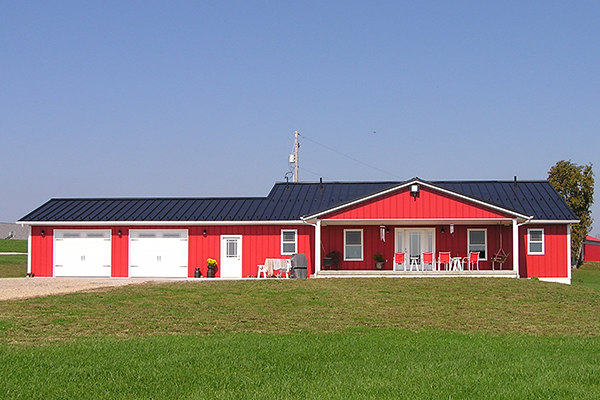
x=353, y=247
x=478, y=242
x=289, y=242
x=535, y=241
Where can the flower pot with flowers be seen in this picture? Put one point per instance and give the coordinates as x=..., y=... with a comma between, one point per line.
x=379, y=260
x=211, y=264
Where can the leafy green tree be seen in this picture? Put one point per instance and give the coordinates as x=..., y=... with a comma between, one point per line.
x=575, y=183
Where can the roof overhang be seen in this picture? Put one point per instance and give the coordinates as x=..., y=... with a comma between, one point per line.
x=406, y=184
x=553, y=222
x=156, y=223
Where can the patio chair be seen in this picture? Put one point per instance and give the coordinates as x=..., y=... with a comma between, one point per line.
x=400, y=258
x=262, y=269
x=282, y=266
x=473, y=259
x=428, y=260
x=286, y=270
x=444, y=258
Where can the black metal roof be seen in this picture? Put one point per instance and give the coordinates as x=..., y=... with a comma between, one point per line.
x=292, y=201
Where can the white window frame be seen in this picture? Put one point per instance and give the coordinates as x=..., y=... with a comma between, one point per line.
x=543, y=241
x=362, y=245
x=287, y=253
x=485, y=246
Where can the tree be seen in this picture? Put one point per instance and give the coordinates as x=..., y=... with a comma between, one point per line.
x=575, y=183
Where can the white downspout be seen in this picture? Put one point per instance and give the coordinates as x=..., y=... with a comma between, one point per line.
x=317, y=226
x=516, y=243
x=29, y=252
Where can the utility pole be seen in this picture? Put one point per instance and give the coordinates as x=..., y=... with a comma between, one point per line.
x=296, y=147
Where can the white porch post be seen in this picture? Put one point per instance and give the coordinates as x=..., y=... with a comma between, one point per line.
x=515, y=235
x=317, y=247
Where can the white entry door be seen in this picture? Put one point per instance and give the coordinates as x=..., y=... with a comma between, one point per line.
x=85, y=253
x=231, y=256
x=415, y=242
x=158, y=253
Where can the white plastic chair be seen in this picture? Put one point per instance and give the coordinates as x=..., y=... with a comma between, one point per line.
x=262, y=269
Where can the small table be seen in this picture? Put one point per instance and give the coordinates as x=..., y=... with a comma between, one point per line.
x=456, y=264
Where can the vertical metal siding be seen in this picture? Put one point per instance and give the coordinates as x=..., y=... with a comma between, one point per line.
x=41, y=251
x=456, y=243
x=429, y=205
x=553, y=263
x=258, y=243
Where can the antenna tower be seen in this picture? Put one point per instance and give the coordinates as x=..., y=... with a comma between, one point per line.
x=294, y=156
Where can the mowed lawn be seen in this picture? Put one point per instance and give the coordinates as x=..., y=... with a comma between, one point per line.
x=13, y=265
x=314, y=339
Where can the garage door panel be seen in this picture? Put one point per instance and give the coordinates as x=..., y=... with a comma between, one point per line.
x=158, y=253
x=82, y=253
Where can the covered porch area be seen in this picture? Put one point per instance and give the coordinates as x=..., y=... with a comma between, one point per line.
x=417, y=248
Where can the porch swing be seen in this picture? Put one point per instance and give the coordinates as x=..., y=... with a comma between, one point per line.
x=500, y=256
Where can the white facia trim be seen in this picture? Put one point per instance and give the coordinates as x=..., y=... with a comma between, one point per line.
x=552, y=222
x=163, y=223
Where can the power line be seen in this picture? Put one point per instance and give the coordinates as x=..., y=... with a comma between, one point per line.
x=314, y=173
x=351, y=158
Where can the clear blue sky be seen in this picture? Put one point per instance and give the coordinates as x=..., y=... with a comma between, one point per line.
x=198, y=98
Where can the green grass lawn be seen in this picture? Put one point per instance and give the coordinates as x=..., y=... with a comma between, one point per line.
x=13, y=246
x=13, y=266
x=587, y=275
x=329, y=338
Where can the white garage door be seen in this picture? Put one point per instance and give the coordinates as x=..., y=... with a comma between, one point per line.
x=82, y=253
x=158, y=253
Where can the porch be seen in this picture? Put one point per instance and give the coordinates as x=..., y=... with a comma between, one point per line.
x=441, y=250
x=415, y=274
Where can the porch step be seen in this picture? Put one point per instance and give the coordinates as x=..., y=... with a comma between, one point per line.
x=416, y=274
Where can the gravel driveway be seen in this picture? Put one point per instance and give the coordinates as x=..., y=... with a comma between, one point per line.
x=21, y=288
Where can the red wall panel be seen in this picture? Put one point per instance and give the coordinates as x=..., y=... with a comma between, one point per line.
x=553, y=263
x=429, y=205
x=591, y=252
x=41, y=251
x=258, y=242
x=498, y=237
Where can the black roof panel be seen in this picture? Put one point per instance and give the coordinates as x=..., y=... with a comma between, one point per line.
x=292, y=201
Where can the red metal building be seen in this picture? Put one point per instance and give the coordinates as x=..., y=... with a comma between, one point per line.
x=512, y=229
x=591, y=249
